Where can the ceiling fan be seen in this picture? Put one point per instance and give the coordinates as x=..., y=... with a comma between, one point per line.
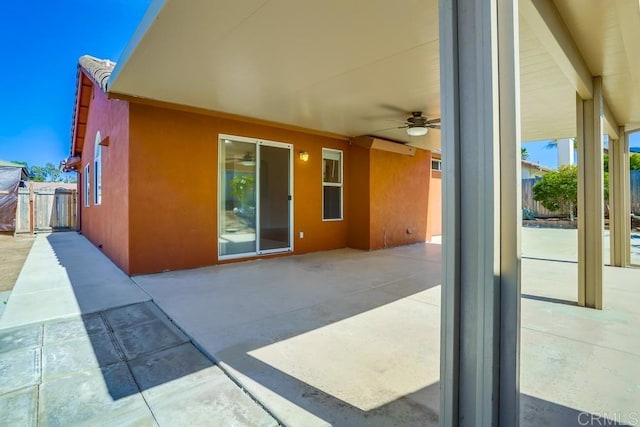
x=418, y=124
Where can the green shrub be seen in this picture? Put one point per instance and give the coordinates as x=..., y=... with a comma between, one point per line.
x=557, y=191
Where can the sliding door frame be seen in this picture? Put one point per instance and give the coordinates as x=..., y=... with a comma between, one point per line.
x=221, y=182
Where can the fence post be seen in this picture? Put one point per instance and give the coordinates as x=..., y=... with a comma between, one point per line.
x=75, y=210
x=32, y=203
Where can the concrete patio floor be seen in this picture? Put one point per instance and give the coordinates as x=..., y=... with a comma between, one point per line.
x=342, y=338
x=352, y=338
x=562, y=244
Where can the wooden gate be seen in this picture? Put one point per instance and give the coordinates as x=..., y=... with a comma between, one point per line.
x=46, y=210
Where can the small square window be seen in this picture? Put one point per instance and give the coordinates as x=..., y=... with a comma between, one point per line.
x=436, y=165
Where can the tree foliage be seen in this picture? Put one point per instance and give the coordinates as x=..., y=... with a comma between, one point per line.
x=634, y=161
x=557, y=191
x=47, y=173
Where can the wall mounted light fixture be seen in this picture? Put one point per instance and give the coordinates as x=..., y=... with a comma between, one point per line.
x=304, y=156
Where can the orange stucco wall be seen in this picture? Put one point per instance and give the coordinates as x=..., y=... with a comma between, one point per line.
x=434, y=223
x=173, y=187
x=389, y=198
x=359, y=200
x=160, y=188
x=399, y=198
x=107, y=224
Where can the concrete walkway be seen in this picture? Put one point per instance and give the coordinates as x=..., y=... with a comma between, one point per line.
x=71, y=354
x=65, y=275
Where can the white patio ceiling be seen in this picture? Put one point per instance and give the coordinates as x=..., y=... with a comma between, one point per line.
x=352, y=67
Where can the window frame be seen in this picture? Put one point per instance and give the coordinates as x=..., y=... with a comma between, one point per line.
x=339, y=185
x=97, y=170
x=439, y=162
x=87, y=186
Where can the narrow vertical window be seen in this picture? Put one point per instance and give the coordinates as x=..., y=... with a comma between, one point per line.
x=331, y=184
x=97, y=170
x=86, y=180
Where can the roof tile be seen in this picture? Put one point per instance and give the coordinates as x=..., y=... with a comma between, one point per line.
x=98, y=69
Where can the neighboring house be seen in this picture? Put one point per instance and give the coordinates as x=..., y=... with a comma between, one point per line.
x=165, y=187
x=533, y=170
x=12, y=175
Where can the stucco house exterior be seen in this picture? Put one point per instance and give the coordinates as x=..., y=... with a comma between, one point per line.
x=166, y=187
x=533, y=170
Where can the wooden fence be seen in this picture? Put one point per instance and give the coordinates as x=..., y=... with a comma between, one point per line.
x=539, y=211
x=46, y=210
x=533, y=206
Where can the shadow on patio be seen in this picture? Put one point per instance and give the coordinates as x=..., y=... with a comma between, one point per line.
x=351, y=338
x=86, y=345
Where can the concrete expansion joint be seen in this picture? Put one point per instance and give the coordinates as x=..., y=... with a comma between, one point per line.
x=240, y=386
x=140, y=387
x=216, y=362
x=564, y=337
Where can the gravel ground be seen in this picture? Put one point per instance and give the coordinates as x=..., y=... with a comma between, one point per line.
x=13, y=253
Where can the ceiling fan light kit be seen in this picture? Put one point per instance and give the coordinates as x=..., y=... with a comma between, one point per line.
x=417, y=131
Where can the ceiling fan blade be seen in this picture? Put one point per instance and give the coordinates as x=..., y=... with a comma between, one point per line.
x=434, y=127
x=394, y=108
x=395, y=127
x=433, y=121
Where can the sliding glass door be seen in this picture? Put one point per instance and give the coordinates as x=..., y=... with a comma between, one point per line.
x=255, y=203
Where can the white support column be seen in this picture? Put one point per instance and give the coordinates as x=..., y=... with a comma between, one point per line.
x=619, y=203
x=481, y=266
x=565, y=152
x=590, y=197
x=627, y=195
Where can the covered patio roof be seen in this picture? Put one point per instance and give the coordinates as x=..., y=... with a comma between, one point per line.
x=357, y=67
x=360, y=67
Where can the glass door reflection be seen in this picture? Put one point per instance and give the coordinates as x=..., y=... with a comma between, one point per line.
x=237, y=198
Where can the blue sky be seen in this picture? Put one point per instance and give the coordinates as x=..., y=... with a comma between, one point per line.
x=40, y=43
x=539, y=151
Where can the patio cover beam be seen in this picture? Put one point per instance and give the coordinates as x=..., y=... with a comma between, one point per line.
x=611, y=126
x=480, y=336
x=590, y=117
x=547, y=24
x=619, y=201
